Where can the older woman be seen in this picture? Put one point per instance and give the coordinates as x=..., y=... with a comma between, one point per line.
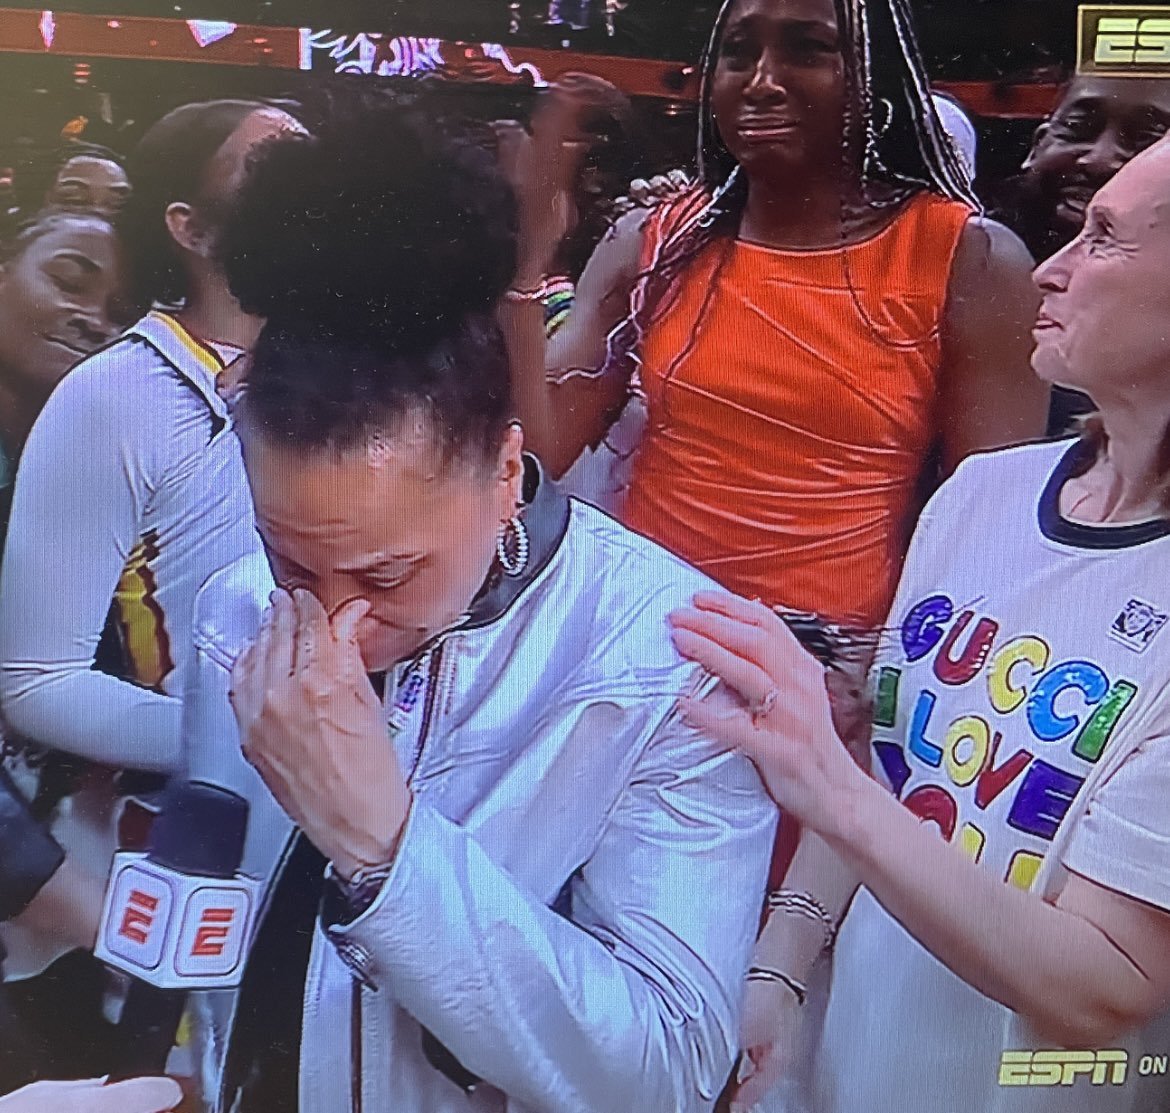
x=1022, y=713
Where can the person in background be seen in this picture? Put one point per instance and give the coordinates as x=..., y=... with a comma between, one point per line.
x=62, y=294
x=597, y=127
x=1098, y=126
x=811, y=322
x=78, y=177
x=111, y=533
x=156, y=502
x=815, y=327
x=604, y=154
x=1022, y=713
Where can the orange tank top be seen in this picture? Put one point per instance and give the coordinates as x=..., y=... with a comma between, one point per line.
x=792, y=405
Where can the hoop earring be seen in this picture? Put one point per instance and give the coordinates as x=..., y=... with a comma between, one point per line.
x=878, y=131
x=512, y=547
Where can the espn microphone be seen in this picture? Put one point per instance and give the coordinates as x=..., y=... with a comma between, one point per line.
x=177, y=918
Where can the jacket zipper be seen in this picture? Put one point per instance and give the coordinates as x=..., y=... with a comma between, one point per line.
x=357, y=990
x=355, y=1040
x=434, y=671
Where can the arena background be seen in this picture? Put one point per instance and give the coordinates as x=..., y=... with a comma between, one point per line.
x=87, y=71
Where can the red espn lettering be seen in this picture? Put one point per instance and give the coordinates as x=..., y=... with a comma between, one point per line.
x=138, y=918
x=214, y=927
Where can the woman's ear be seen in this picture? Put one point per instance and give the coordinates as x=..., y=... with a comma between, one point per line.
x=184, y=227
x=510, y=471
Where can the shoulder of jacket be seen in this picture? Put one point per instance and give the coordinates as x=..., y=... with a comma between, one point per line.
x=230, y=604
x=642, y=583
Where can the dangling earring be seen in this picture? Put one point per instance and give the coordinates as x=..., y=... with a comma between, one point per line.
x=512, y=547
x=879, y=130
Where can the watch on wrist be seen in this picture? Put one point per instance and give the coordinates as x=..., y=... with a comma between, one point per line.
x=361, y=889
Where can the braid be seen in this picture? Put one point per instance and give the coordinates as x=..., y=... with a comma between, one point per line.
x=911, y=152
x=719, y=176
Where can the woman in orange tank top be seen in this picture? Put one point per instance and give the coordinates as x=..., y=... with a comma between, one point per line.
x=810, y=324
x=809, y=327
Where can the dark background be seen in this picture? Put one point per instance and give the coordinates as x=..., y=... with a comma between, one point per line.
x=981, y=39
x=1000, y=42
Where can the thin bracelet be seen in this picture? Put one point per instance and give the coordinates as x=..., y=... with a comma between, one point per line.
x=769, y=974
x=806, y=905
x=536, y=293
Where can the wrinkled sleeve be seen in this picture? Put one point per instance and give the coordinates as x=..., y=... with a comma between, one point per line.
x=632, y=1001
x=227, y=614
x=1123, y=841
x=86, y=476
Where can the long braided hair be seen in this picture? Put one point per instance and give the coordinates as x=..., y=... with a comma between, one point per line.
x=909, y=153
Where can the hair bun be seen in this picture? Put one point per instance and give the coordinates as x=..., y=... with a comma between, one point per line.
x=386, y=227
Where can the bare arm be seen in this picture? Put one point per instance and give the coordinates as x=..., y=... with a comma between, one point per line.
x=990, y=396
x=793, y=943
x=1008, y=944
x=965, y=916
x=563, y=398
x=68, y=907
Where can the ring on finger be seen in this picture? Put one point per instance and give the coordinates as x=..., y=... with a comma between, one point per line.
x=760, y=710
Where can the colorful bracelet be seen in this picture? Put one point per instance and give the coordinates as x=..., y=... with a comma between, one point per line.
x=537, y=293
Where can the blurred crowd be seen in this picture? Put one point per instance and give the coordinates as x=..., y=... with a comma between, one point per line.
x=805, y=362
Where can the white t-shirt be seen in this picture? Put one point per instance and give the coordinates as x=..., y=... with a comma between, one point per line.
x=1020, y=647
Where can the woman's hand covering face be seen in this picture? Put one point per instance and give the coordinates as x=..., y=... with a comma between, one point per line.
x=312, y=726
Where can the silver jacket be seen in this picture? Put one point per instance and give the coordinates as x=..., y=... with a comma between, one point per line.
x=573, y=905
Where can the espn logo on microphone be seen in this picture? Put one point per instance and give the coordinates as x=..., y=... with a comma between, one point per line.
x=175, y=931
x=1118, y=40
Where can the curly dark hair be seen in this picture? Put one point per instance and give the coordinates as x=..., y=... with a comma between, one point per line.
x=376, y=249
